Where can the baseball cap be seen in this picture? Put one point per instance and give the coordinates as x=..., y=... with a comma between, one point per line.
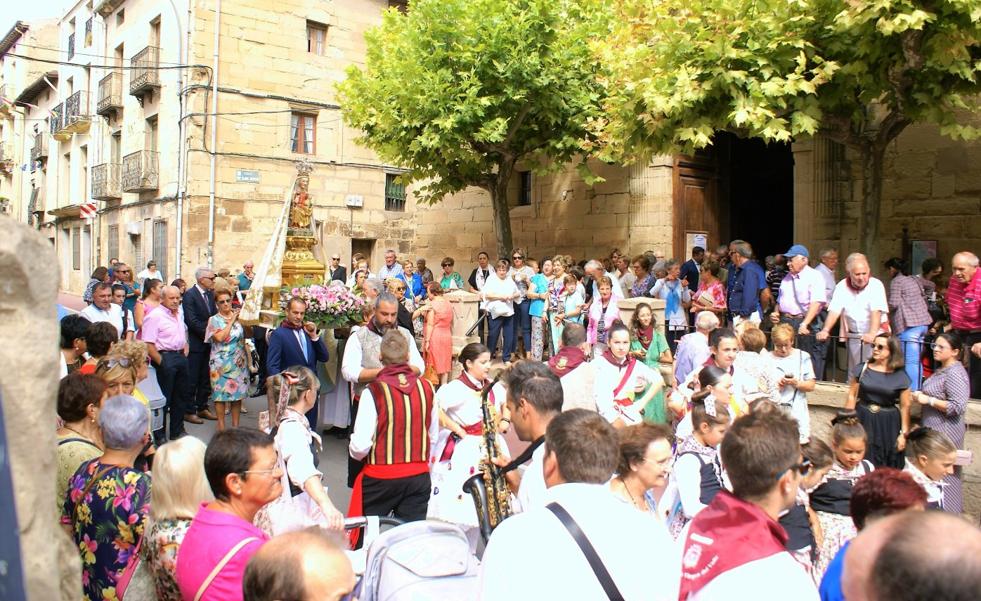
x=797, y=249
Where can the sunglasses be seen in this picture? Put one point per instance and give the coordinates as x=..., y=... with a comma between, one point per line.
x=211, y=277
x=122, y=271
x=117, y=362
x=223, y=301
x=803, y=468
x=517, y=257
x=879, y=347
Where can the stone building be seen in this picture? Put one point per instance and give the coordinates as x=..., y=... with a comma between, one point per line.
x=183, y=138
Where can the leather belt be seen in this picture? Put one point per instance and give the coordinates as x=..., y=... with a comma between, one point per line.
x=874, y=408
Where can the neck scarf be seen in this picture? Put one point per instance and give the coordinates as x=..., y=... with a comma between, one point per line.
x=399, y=376
x=848, y=282
x=645, y=336
x=567, y=359
x=290, y=326
x=725, y=535
x=618, y=363
x=673, y=302
x=468, y=381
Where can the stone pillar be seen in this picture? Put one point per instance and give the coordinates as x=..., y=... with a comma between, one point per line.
x=650, y=213
x=28, y=270
x=465, y=305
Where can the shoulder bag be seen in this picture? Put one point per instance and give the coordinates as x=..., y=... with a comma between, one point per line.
x=221, y=565
x=605, y=580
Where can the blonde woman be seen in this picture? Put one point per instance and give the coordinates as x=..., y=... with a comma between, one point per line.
x=180, y=487
x=229, y=361
x=121, y=370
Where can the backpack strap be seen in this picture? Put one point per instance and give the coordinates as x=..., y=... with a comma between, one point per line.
x=221, y=565
x=602, y=574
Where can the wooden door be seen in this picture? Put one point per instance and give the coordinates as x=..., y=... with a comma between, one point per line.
x=696, y=202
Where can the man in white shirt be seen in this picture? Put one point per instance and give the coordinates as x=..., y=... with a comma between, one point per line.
x=735, y=548
x=594, y=269
x=534, y=398
x=827, y=267
x=103, y=309
x=862, y=300
x=392, y=268
x=800, y=300
x=534, y=555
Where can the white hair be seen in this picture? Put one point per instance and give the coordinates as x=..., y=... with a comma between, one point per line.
x=124, y=421
x=706, y=321
x=855, y=258
x=827, y=252
x=971, y=258
x=594, y=264
x=374, y=283
x=179, y=482
x=200, y=272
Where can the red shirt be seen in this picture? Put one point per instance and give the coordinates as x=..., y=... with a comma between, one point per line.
x=964, y=302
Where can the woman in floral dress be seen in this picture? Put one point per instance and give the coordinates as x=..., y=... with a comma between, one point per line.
x=229, y=361
x=179, y=488
x=108, y=500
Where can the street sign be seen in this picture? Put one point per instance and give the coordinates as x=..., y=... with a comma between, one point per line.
x=354, y=200
x=247, y=176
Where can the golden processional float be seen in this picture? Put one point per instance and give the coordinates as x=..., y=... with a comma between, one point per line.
x=288, y=259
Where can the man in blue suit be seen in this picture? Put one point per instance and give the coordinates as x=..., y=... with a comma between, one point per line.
x=199, y=306
x=295, y=342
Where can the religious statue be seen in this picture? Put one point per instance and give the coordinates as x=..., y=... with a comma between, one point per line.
x=300, y=209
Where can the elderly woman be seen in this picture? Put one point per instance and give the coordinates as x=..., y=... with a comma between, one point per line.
x=603, y=313
x=414, y=279
x=303, y=501
x=244, y=475
x=644, y=464
x=121, y=371
x=79, y=439
x=229, y=365
x=677, y=299
x=73, y=330
x=643, y=278
x=179, y=487
x=107, y=504
x=450, y=280
x=398, y=288
x=99, y=276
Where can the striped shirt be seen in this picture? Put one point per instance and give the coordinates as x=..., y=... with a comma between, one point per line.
x=907, y=304
x=964, y=303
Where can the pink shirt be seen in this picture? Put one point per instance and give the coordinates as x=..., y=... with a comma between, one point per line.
x=164, y=330
x=964, y=303
x=211, y=536
x=797, y=291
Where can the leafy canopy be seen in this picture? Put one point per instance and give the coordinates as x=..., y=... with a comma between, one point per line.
x=457, y=91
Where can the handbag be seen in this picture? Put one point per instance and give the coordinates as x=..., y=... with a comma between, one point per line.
x=136, y=582
x=430, y=373
x=221, y=565
x=602, y=574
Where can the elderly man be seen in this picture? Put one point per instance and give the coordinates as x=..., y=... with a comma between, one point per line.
x=594, y=270
x=165, y=335
x=372, y=287
x=307, y=564
x=245, y=278
x=103, y=309
x=336, y=271
x=573, y=368
x=598, y=547
x=800, y=300
x=424, y=272
x=862, y=300
x=199, y=305
x=747, y=289
x=964, y=301
x=693, y=348
x=361, y=363
x=827, y=268
x=392, y=268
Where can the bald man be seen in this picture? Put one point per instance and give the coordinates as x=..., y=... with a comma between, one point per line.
x=913, y=556
x=306, y=565
x=165, y=335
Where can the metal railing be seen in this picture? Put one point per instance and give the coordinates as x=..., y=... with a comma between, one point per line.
x=6, y=159
x=76, y=108
x=55, y=119
x=140, y=171
x=106, y=181
x=110, y=93
x=40, y=149
x=144, y=74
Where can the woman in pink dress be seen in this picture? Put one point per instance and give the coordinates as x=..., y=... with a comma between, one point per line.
x=437, y=343
x=711, y=293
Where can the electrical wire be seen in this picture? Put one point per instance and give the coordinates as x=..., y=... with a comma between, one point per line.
x=77, y=53
x=107, y=67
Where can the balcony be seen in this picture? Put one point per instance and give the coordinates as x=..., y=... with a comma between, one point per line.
x=110, y=97
x=55, y=121
x=105, y=182
x=39, y=151
x=140, y=171
x=77, y=116
x=6, y=159
x=6, y=100
x=144, y=76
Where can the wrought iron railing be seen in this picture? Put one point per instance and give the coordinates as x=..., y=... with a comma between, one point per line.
x=106, y=181
x=40, y=148
x=76, y=108
x=56, y=118
x=140, y=171
x=144, y=73
x=110, y=93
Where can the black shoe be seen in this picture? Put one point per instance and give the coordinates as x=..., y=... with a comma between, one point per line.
x=340, y=433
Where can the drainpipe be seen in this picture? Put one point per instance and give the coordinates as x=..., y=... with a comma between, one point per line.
x=181, y=167
x=214, y=139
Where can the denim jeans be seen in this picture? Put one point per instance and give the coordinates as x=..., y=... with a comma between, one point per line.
x=522, y=324
x=911, y=340
x=496, y=327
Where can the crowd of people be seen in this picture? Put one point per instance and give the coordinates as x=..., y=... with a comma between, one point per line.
x=670, y=460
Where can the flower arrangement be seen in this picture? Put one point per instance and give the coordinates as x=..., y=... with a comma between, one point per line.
x=332, y=306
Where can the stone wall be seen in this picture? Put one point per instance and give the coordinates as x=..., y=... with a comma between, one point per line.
x=630, y=210
x=828, y=398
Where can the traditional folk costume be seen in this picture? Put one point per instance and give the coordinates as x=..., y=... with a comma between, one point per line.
x=576, y=375
x=695, y=480
x=830, y=501
x=933, y=488
x=453, y=460
x=395, y=427
x=616, y=384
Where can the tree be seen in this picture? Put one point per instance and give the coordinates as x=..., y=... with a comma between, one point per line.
x=461, y=91
x=859, y=72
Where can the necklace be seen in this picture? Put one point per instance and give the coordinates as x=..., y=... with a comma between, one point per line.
x=627, y=488
x=76, y=432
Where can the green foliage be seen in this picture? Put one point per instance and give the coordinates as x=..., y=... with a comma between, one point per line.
x=458, y=91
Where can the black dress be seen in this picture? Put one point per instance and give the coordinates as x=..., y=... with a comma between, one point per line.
x=878, y=410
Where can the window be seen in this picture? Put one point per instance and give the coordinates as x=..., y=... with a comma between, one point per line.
x=524, y=195
x=151, y=134
x=120, y=17
x=394, y=193
x=137, y=251
x=113, y=242
x=302, y=133
x=316, y=38
x=76, y=248
x=159, y=253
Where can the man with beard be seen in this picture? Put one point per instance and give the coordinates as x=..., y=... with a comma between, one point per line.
x=362, y=358
x=296, y=342
x=862, y=300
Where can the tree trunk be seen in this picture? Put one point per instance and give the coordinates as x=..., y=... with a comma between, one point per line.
x=872, y=159
x=502, y=211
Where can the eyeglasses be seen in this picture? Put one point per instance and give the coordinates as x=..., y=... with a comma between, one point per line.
x=517, y=257
x=335, y=258
x=880, y=347
x=447, y=265
x=223, y=301
x=209, y=277
x=122, y=271
x=803, y=468
x=269, y=471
